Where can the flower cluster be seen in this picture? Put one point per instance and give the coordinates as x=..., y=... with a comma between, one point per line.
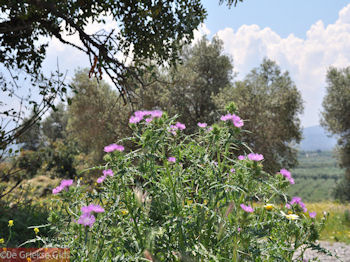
x=297, y=200
x=106, y=173
x=172, y=159
x=87, y=218
x=140, y=115
x=248, y=208
x=236, y=120
x=287, y=175
x=64, y=185
x=177, y=126
x=255, y=157
x=252, y=156
x=113, y=147
x=312, y=214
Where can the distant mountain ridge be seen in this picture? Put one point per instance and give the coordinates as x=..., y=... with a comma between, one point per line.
x=316, y=138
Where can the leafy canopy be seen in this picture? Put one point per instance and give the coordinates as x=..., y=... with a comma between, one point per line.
x=336, y=119
x=152, y=29
x=270, y=103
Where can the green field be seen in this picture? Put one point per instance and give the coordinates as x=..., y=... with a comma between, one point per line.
x=316, y=176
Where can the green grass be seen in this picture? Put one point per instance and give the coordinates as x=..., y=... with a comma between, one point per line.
x=316, y=176
x=338, y=223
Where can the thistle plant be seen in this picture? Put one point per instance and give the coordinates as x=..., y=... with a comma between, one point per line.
x=180, y=197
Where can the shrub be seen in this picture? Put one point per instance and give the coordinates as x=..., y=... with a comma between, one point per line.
x=182, y=197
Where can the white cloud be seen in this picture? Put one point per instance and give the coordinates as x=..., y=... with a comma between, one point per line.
x=200, y=32
x=307, y=59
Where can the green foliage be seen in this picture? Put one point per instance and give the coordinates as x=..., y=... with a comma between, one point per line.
x=335, y=118
x=59, y=159
x=146, y=31
x=154, y=30
x=31, y=139
x=204, y=72
x=270, y=103
x=30, y=162
x=182, y=209
x=96, y=116
x=54, y=126
x=320, y=172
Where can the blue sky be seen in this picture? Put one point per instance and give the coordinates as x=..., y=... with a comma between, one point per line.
x=303, y=37
x=282, y=16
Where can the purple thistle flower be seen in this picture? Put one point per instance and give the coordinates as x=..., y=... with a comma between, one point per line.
x=63, y=185
x=57, y=190
x=180, y=126
x=297, y=200
x=284, y=172
x=288, y=206
x=134, y=119
x=255, y=157
x=241, y=157
x=66, y=183
x=173, y=129
x=226, y=117
x=177, y=126
x=86, y=219
x=139, y=115
x=291, y=181
x=101, y=179
x=232, y=170
x=239, y=229
x=237, y=121
x=172, y=159
x=312, y=214
x=248, y=209
x=113, y=147
x=92, y=208
x=203, y=125
x=108, y=172
x=156, y=113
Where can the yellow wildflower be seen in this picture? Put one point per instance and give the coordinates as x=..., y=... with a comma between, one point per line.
x=269, y=207
x=2, y=241
x=124, y=211
x=36, y=230
x=10, y=223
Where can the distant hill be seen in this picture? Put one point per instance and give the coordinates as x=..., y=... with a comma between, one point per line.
x=316, y=138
